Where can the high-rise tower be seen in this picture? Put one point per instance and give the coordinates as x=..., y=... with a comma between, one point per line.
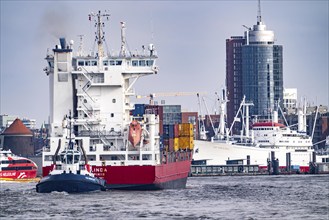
x=254, y=69
x=234, y=75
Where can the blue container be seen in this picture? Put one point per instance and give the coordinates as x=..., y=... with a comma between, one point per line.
x=139, y=110
x=168, y=131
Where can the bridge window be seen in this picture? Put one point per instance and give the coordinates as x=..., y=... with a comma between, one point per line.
x=115, y=62
x=76, y=158
x=94, y=63
x=149, y=62
x=81, y=63
x=69, y=159
x=142, y=63
x=105, y=62
x=134, y=63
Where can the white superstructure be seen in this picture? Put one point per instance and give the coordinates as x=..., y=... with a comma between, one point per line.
x=272, y=134
x=97, y=90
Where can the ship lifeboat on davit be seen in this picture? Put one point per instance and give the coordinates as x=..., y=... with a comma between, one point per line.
x=135, y=133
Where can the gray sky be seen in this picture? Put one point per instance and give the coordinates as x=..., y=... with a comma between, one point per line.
x=189, y=37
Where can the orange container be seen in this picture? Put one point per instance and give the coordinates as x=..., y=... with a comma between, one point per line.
x=186, y=143
x=186, y=130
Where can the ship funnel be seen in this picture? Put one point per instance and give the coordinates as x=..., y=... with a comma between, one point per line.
x=62, y=42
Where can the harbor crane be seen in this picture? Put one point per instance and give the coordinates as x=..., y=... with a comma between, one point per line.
x=168, y=94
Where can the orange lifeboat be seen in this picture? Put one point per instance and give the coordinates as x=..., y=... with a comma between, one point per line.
x=135, y=133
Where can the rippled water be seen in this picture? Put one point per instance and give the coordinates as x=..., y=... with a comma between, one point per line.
x=228, y=197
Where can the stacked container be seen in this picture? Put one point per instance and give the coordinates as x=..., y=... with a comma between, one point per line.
x=186, y=141
x=172, y=114
x=168, y=134
x=171, y=117
x=139, y=110
x=174, y=135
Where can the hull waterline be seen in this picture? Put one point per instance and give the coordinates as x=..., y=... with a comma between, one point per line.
x=71, y=183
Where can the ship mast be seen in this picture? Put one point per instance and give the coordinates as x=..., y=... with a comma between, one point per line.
x=123, y=39
x=80, y=49
x=100, y=33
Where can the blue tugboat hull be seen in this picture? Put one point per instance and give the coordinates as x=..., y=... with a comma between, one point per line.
x=71, y=183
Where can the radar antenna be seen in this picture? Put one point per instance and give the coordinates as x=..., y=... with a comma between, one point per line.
x=100, y=33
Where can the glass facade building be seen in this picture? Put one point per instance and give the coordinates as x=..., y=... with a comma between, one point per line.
x=257, y=77
x=254, y=69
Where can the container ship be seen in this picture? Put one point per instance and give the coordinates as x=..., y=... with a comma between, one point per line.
x=13, y=167
x=263, y=145
x=135, y=148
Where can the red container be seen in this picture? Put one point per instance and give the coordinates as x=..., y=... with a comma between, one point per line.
x=161, y=127
x=176, y=130
x=154, y=109
x=171, y=145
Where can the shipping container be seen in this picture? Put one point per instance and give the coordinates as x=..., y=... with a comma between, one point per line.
x=172, y=118
x=171, y=109
x=171, y=145
x=176, y=144
x=168, y=131
x=186, y=143
x=176, y=130
x=139, y=110
x=160, y=127
x=154, y=109
x=186, y=130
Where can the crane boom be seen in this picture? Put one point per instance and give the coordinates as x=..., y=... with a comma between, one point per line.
x=168, y=94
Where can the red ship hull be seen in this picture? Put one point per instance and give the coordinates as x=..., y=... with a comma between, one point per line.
x=165, y=176
x=18, y=175
x=13, y=167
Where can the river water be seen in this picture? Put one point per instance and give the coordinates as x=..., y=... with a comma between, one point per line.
x=225, y=197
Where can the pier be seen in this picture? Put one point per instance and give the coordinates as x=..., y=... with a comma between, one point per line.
x=222, y=170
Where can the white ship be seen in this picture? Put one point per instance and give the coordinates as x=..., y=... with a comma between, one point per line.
x=266, y=141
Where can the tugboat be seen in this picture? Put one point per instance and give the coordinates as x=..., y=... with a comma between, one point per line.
x=71, y=174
